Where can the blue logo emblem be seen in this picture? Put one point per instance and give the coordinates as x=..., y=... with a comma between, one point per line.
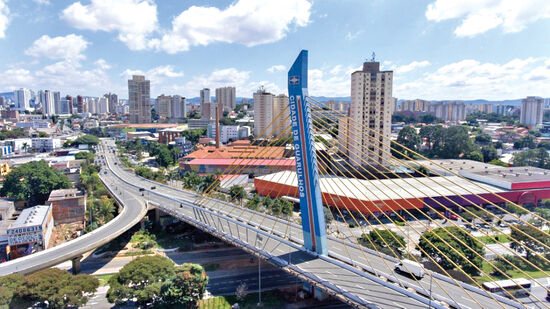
x=294, y=80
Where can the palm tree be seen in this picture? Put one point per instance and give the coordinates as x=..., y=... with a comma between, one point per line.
x=25, y=146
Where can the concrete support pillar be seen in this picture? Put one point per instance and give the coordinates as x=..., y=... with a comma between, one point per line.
x=158, y=213
x=76, y=264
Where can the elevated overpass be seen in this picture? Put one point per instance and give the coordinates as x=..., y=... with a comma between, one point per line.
x=358, y=276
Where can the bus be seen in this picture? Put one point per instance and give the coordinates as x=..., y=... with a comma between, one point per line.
x=516, y=287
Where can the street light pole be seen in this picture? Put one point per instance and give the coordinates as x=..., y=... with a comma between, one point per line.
x=430, y=303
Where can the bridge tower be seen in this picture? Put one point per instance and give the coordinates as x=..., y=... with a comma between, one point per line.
x=309, y=191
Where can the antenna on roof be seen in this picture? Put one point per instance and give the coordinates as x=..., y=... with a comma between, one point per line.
x=373, y=59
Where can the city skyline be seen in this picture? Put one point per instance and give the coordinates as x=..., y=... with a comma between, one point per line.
x=91, y=47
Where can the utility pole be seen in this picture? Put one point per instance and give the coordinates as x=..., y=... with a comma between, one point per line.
x=259, y=240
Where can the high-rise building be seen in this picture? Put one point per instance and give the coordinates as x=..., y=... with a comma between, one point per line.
x=112, y=100
x=449, y=111
x=70, y=101
x=22, y=99
x=263, y=114
x=2, y=101
x=164, y=109
x=415, y=106
x=226, y=97
x=531, y=111
x=205, y=95
x=139, y=98
x=57, y=102
x=47, y=101
x=102, y=105
x=371, y=100
x=80, y=104
x=66, y=105
x=177, y=108
x=280, y=109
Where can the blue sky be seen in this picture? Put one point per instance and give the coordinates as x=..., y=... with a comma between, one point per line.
x=438, y=49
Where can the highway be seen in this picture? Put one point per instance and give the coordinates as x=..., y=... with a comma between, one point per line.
x=280, y=242
x=133, y=211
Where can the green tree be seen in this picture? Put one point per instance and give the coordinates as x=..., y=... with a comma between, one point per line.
x=185, y=288
x=237, y=193
x=287, y=207
x=489, y=153
x=433, y=135
x=527, y=141
x=385, y=241
x=33, y=182
x=475, y=156
x=410, y=139
x=58, y=287
x=8, y=286
x=533, y=157
x=142, y=279
x=443, y=246
x=483, y=139
x=526, y=236
x=498, y=162
x=88, y=139
x=254, y=202
x=85, y=155
x=456, y=142
x=194, y=135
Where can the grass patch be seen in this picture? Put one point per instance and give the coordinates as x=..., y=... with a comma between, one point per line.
x=135, y=253
x=211, y=267
x=167, y=241
x=500, y=238
x=270, y=299
x=214, y=303
x=104, y=279
x=514, y=274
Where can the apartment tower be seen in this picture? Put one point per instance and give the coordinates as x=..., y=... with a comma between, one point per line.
x=226, y=97
x=531, y=111
x=139, y=96
x=370, y=107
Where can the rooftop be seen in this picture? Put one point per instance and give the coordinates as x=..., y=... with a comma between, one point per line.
x=446, y=167
x=64, y=193
x=388, y=189
x=244, y=162
x=513, y=178
x=147, y=125
x=32, y=216
x=238, y=150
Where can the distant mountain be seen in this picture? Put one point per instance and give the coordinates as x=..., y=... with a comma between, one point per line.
x=515, y=102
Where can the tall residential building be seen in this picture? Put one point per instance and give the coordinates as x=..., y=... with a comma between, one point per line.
x=531, y=111
x=80, y=104
x=205, y=95
x=177, y=108
x=112, y=99
x=164, y=109
x=47, y=101
x=263, y=114
x=280, y=107
x=449, y=111
x=415, y=106
x=139, y=97
x=57, y=102
x=70, y=101
x=65, y=105
x=371, y=100
x=102, y=105
x=22, y=99
x=226, y=97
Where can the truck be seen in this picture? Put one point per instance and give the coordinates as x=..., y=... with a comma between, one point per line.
x=410, y=267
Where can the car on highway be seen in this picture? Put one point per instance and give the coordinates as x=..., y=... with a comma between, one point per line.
x=141, y=189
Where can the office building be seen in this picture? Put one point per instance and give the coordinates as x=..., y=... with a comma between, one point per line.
x=139, y=97
x=531, y=111
x=370, y=106
x=226, y=97
x=22, y=99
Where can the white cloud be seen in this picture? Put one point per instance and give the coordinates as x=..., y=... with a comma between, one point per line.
x=4, y=20
x=412, y=66
x=102, y=64
x=60, y=47
x=42, y=2
x=335, y=81
x=479, y=16
x=157, y=75
x=133, y=20
x=352, y=36
x=66, y=76
x=276, y=68
x=247, y=22
x=472, y=79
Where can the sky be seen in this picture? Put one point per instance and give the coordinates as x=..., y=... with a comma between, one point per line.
x=438, y=49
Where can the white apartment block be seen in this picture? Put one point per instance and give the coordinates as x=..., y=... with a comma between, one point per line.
x=139, y=93
x=45, y=144
x=370, y=107
x=22, y=99
x=263, y=114
x=280, y=107
x=532, y=111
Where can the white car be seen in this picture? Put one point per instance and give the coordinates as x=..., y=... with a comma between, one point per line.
x=410, y=267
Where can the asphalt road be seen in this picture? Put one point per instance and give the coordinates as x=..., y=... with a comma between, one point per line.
x=130, y=215
x=323, y=270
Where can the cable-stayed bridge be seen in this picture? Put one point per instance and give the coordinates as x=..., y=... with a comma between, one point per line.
x=344, y=268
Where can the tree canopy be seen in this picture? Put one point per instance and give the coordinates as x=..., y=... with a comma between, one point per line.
x=385, y=241
x=86, y=139
x=60, y=288
x=33, y=182
x=155, y=279
x=452, y=244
